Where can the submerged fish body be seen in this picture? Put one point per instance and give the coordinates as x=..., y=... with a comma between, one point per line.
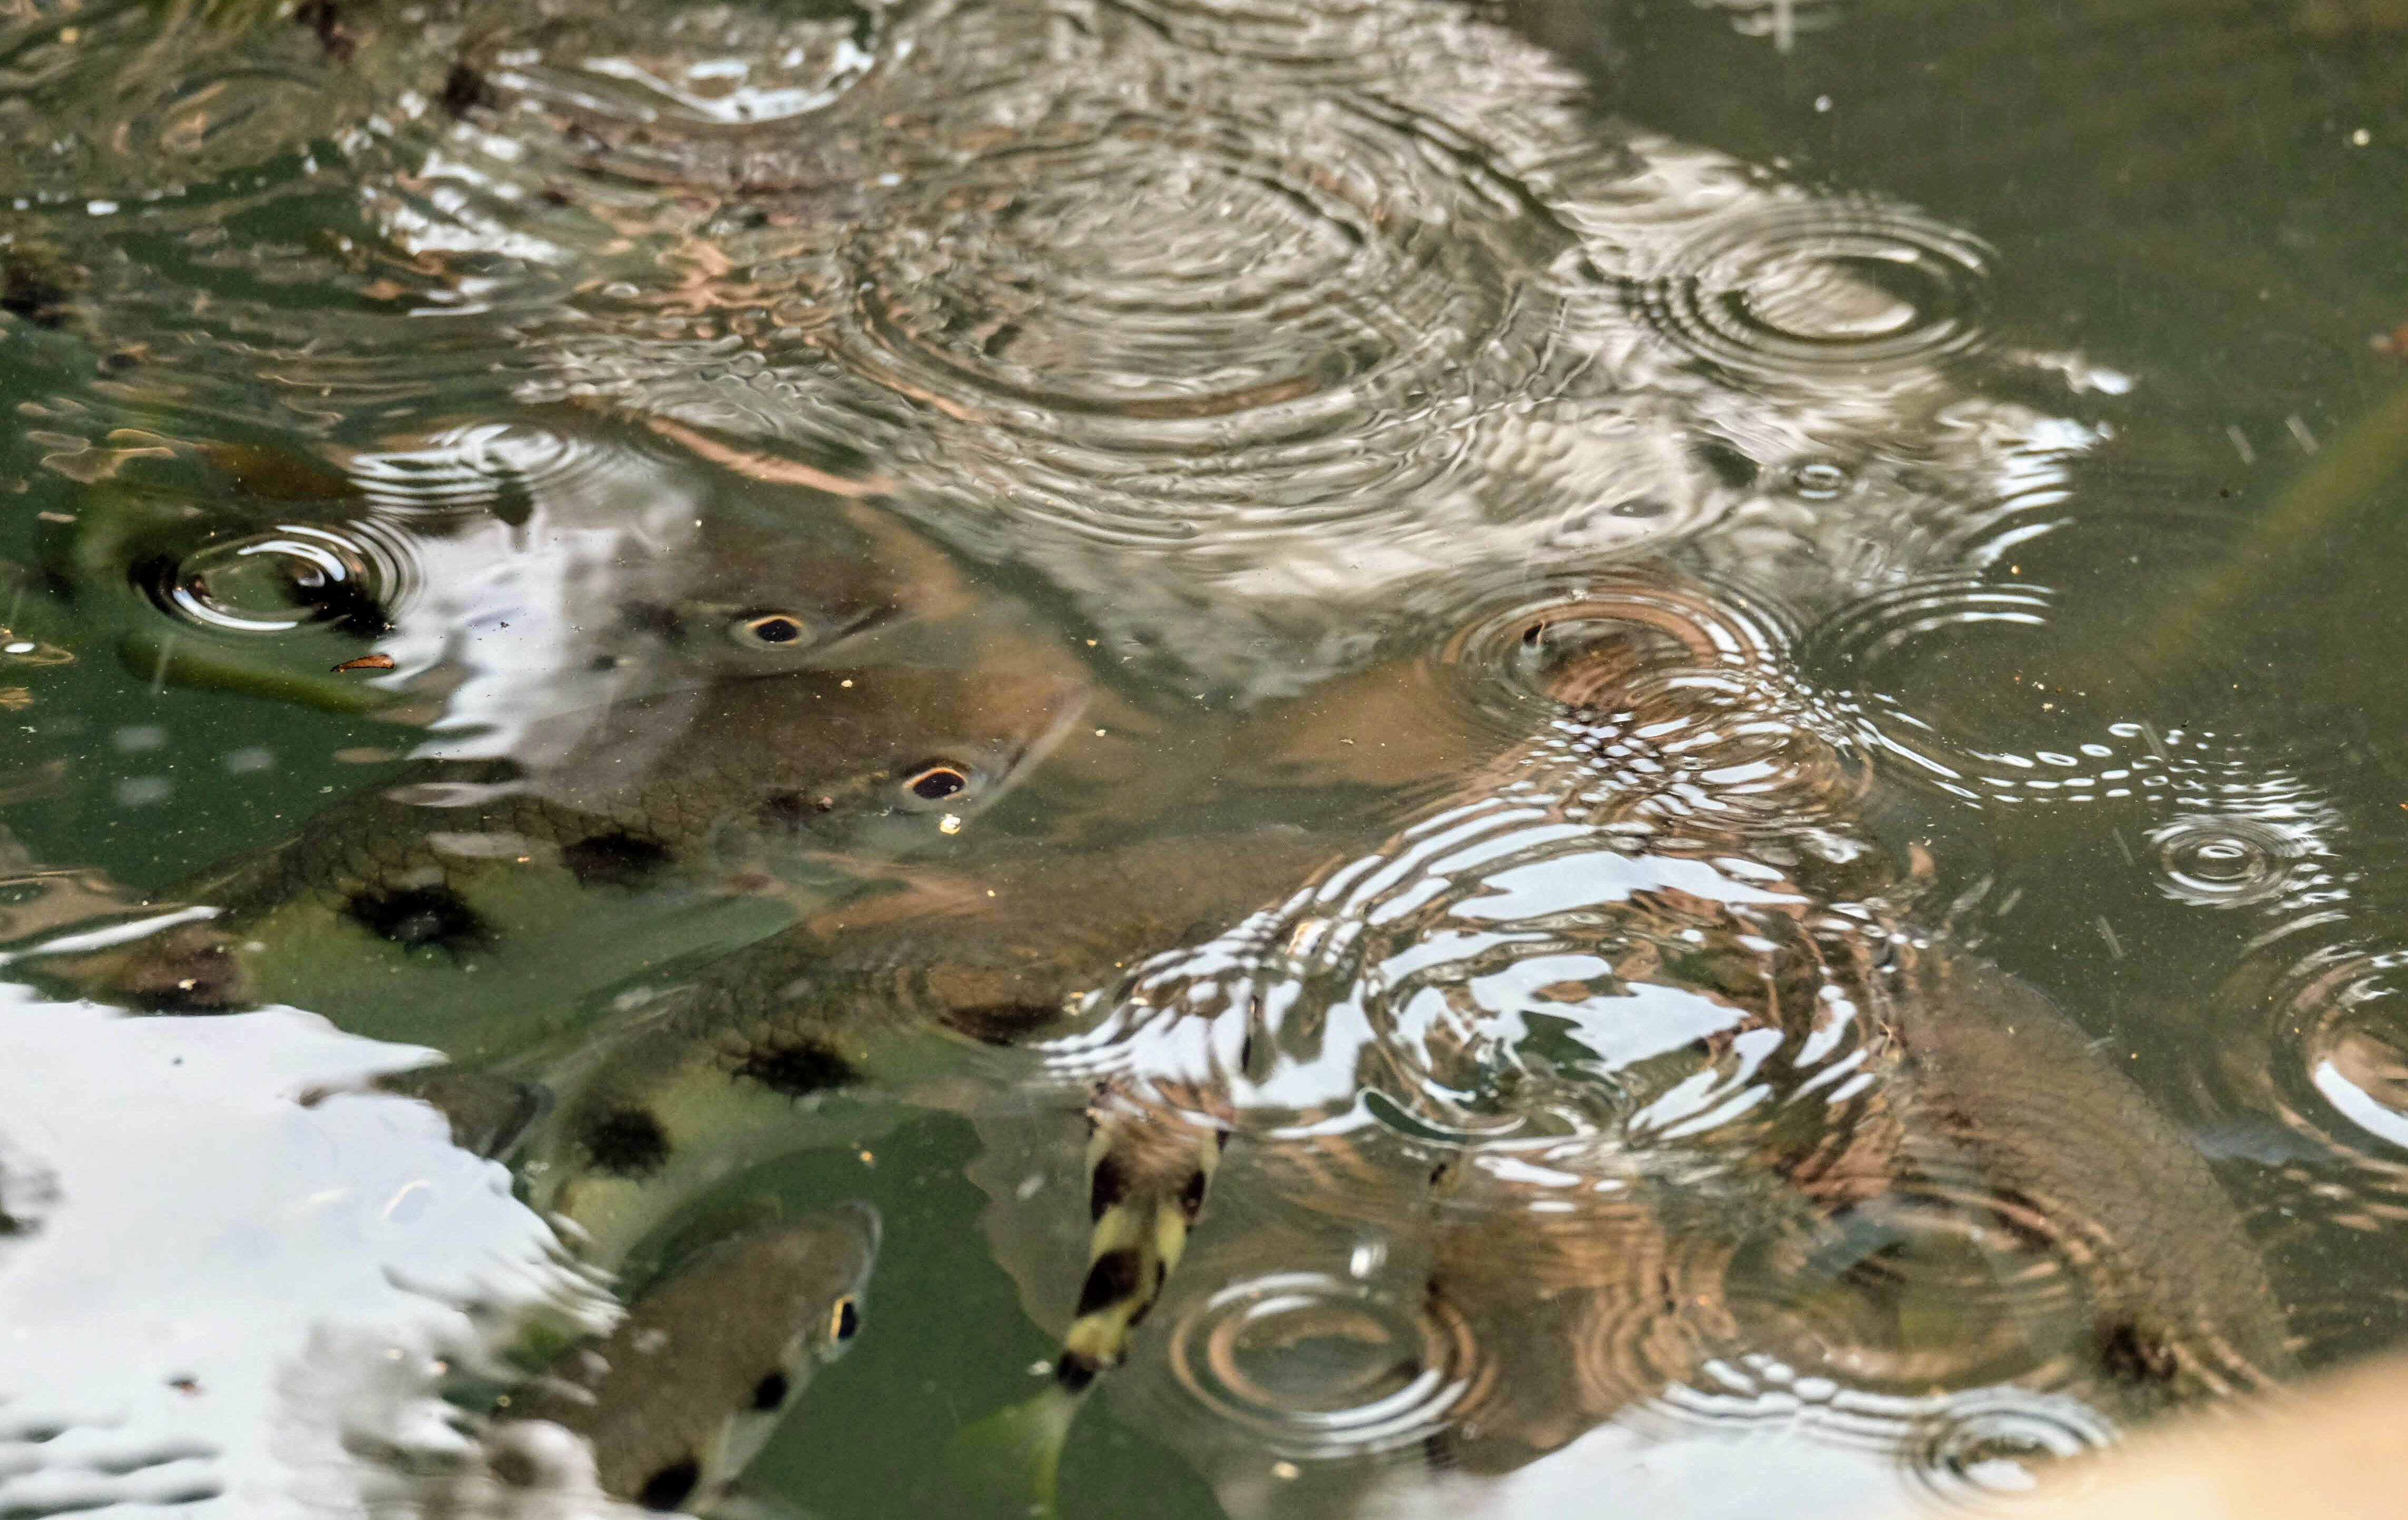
x=665, y=1411
x=519, y=577
x=910, y=994
x=551, y=883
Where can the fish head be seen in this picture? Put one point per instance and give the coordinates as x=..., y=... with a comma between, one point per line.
x=753, y=594
x=684, y=1392
x=707, y=1362
x=869, y=762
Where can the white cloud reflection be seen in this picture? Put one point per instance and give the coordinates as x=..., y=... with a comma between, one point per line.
x=238, y=1265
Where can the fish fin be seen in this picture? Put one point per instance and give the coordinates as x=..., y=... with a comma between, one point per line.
x=1146, y=1180
x=1015, y=1454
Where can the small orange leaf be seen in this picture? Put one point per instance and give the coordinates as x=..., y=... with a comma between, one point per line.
x=367, y=662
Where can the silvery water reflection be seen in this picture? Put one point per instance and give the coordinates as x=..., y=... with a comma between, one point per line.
x=1103, y=291
x=234, y=1266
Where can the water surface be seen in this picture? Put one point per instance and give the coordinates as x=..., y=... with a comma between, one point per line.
x=1636, y=758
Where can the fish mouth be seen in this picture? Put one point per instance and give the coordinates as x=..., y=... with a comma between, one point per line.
x=849, y=1233
x=861, y=1218
x=854, y=827
x=182, y=964
x=1062, y=705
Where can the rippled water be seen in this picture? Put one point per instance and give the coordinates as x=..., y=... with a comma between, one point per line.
x=1109, y=756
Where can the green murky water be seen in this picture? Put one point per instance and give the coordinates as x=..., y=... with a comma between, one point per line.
x=1624, y=759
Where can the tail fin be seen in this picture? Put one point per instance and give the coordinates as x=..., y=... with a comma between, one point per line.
x=1013, y=1458
x=1146, y=1176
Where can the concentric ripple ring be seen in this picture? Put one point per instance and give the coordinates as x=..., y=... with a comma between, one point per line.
x=1317, y=1366
x=1824, y=286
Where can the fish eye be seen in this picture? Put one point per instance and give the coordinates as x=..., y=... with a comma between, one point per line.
x=844, y=1320
x=937, y=781
x=770, y=630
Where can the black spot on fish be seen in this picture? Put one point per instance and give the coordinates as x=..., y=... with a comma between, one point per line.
x=1137, y=1316
x=30, y=296
x=770, y=1392
x=1074, y=1372
x=1113, y=1278
x=420, y=918
x=1106, y=1187
x=799, y=1069
x=322, y=16
x=1001, y=1024
x=1730, y=466
x=614, y=859
x=343, y=602
x=672, y=1485
x=1191, y=1197
x=512, y=504
x=786, y=808
x=2133, y=1354
x=626, y=1142
x=466, y=90
x=653, y=617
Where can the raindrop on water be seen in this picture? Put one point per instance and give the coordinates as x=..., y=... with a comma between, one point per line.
x=2216, y=860
x=1816, y=286
x=1319, y=1366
